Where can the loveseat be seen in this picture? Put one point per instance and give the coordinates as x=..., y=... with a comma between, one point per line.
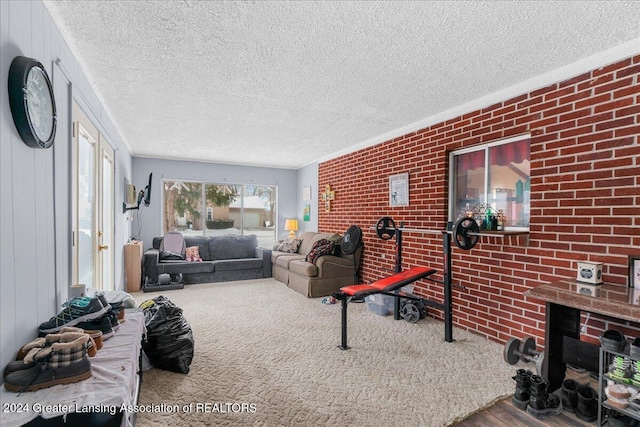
x=329, y=273
x=223, y=258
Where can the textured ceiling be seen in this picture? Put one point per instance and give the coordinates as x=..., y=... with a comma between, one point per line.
x=283, y=84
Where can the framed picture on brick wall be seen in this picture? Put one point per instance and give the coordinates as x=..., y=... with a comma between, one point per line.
x=399, y=190
x=634, y=271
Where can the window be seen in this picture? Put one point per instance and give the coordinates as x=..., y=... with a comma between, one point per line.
x=225, y=202
x=227, y=208
x=495, y=174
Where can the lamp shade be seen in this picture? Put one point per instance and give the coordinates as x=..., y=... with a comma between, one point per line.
x=291, y=225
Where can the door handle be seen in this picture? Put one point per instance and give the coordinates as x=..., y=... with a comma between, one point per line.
x=103, y=247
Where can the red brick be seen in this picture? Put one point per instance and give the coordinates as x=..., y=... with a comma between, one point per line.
x=582, y=94
x=612, y=67
x=626, y=91
x=596, y=81
x=585, y=191
x=594, y=100
x=628, y=71
x=631, y=130
x=613, y=105
x=616, y=84
x=543, y=106
x=576, y=80
x=576, y=131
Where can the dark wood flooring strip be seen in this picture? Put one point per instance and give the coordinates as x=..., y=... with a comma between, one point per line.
x=504, y=414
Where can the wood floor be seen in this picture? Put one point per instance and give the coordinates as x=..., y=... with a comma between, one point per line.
x=504, y=414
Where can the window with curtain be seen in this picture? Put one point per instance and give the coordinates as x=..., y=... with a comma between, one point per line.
x=494, y=174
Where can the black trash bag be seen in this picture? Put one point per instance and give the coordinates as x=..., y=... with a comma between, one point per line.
x=169, y=344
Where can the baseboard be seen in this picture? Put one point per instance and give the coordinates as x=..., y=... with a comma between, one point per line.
x=158, y=288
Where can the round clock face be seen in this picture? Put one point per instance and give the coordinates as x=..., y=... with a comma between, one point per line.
x=39, y=104
x=33, y=106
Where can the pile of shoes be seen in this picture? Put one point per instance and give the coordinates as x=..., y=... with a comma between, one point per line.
x=581, y=399
x=623, y=380
x=575, y=397
x=532, y=395
x=88, y=313
x=60, y=358
x=60, y=354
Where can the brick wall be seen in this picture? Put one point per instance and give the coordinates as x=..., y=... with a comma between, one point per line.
x=585, y=198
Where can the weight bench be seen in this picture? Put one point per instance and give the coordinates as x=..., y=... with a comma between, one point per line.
x=387, y=286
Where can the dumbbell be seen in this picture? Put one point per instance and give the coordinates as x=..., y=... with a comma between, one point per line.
x=524, y=350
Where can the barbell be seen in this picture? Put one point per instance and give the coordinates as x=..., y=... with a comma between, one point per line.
x=465, y=231
x=524, y=350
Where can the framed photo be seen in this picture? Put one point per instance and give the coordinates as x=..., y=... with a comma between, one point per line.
x=306, y=193
x=306, y=214
x=634, y=271
x=399, y=190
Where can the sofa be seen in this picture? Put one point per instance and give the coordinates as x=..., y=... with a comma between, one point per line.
x=222, y=258
x=329, y=273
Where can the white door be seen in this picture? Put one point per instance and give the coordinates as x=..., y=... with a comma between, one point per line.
x=106, y=209
x=93, y=210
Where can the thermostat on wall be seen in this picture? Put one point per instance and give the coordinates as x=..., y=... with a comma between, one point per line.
x=590, y=272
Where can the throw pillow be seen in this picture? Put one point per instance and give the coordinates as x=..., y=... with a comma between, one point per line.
x=193, y=254
x=291, y=245
x=336, y=239
x=321, y=247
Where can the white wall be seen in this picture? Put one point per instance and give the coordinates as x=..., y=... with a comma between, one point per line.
x=149, y=224
x=35, y=238
x=308, y=177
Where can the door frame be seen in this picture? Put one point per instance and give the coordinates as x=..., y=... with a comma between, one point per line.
x=101, y=148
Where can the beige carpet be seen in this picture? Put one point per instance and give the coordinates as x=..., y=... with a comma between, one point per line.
x=261, y=344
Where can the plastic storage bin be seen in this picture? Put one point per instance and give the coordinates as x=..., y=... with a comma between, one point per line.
x=382, y=305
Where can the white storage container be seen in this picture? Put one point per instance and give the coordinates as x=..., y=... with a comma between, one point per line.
x=381, y=305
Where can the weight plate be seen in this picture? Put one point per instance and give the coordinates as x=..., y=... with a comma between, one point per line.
x=528, y=346
x=539, y=363
x=422, y=308
x=351, y=240
x=461, y=230
x=385, y=228
x=410, y=313
x=510, y=350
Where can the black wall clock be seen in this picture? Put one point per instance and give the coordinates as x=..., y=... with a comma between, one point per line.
x=33, y=106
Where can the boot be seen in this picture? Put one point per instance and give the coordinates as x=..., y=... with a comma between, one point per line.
x=26, y=355
x=60, y=363
x=541, y=403
x=587, y=408
x=523, y=384
x=569, y=395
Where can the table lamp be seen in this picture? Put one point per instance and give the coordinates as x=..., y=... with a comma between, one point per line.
x=291, y=225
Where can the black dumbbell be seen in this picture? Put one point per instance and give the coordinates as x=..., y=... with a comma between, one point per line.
x=524, y=350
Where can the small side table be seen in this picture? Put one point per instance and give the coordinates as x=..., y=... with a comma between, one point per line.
x=133, y=265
